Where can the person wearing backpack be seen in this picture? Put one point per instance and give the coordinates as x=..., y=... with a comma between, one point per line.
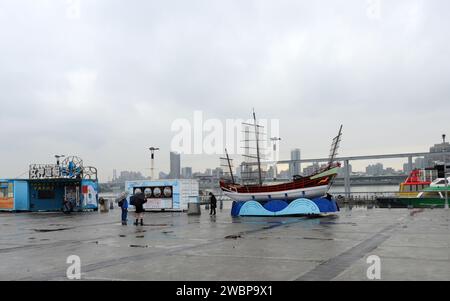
x=123, y=204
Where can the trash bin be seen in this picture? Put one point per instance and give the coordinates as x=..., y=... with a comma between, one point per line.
x=194, y=206
x=104, y=205
x=194, y=209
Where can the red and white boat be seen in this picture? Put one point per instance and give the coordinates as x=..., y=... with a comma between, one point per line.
x=315, y=185
x=301, y=187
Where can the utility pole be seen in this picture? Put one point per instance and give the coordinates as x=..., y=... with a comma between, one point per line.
x=445, y=173
x=152, y=165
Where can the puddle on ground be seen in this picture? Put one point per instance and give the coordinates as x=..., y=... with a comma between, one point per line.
x=233, y=236
x=167, y=232
x=121, y=235
x=139, y=236
x=336, y=223
x=318, y=238
x=51, y=230
x=31, y=238
x=45, y=239
x=138, y=246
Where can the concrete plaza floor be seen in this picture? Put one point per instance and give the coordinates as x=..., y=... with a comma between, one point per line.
x=411, y=244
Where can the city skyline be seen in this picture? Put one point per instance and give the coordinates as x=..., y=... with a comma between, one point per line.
x=373, y=168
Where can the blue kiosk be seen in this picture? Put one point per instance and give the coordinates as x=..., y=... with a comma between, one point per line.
x=52, y=187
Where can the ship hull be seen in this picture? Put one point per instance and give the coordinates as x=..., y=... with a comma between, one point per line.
x=311, y=192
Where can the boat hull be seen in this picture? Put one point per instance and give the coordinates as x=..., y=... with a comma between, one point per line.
x=399, y=202
x=309, y=193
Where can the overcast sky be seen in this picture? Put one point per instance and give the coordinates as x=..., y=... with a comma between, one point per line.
x=105, y=79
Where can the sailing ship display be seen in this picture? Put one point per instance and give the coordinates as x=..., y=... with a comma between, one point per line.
x=254, y=188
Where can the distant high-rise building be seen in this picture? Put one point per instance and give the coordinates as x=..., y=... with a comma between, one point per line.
x=238, y=172
x=420, y=163
x=342, y=170
x=284, y=174
x=186, y=172
x=175, y=165
x=218, y=172
x=375, y=169
x=271, y=173
x=295, y=167
x=129, y=176
x=406, y=168
x=435, y=156
x=309, y=170
x=114, y=178
x=390, y=171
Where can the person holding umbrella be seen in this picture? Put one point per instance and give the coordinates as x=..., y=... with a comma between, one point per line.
x=138, y=200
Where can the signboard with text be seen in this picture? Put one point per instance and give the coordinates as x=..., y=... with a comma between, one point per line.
x=44, y=171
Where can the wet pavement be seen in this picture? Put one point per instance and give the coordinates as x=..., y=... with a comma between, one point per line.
x=411, y=245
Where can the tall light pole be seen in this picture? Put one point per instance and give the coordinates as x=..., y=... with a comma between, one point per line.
x=274, y=141
x=152, y=167
x=445, y=173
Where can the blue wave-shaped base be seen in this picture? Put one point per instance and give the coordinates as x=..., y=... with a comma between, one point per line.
x=282, y=208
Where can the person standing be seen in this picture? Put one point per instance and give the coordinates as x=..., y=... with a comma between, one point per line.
x=67, y=205
x=213, y=203
x=123, y=204
x=138, y=200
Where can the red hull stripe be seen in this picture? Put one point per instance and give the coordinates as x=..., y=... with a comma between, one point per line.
x=302, y=183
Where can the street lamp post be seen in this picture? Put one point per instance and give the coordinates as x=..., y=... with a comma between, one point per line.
x=57, y=158
x=274, y=141
x=152, y=167
x=445, y=173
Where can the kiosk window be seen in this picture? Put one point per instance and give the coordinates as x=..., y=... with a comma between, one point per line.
x=6, y=190
x=3, y=192
x=46, y=194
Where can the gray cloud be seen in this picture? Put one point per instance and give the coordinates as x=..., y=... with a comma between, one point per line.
x=110, y=83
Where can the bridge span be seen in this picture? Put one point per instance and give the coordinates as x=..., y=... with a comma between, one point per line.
x=347, y=159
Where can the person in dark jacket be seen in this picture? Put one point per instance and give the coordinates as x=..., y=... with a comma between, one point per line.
x=138, y=203
x=123, y=204
x=213, y=204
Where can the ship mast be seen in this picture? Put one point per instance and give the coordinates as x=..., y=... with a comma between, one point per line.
x=335, y=147
x=250, y=173
x=257, y=148
x=229, y=165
